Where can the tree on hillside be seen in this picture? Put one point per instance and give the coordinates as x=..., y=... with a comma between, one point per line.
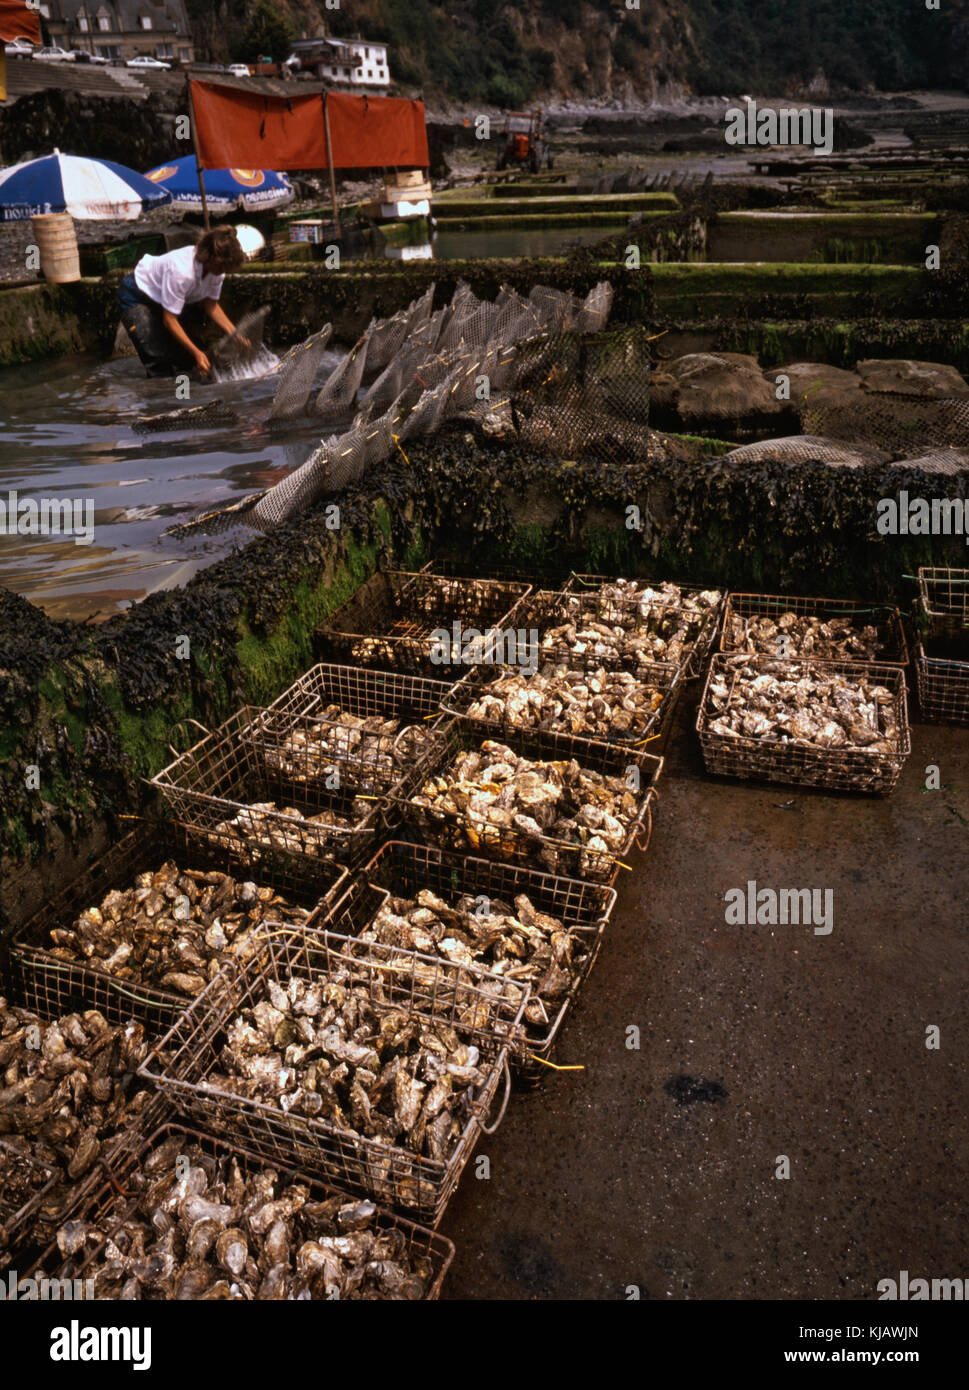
x=269, y=32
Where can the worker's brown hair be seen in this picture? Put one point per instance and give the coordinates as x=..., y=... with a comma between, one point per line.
x=219, y=251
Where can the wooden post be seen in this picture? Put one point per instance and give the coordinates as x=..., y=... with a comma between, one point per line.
x=329, y=160
x=198, y=160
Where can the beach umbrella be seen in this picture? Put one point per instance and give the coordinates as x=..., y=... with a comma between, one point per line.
x=89, y=189
x=226, y=190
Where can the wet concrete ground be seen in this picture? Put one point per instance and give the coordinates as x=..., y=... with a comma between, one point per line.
x=602, y=1179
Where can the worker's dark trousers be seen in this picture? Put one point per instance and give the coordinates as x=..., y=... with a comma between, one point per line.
x=142, y=317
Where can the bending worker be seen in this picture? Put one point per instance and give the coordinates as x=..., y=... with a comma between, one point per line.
x=156, y=292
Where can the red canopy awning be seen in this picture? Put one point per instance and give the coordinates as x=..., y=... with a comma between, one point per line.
x=375, y=132
x=237, y=129
x=17, y=22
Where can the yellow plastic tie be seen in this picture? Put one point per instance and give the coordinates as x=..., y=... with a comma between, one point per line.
x=553, y=1065
x=396, y=439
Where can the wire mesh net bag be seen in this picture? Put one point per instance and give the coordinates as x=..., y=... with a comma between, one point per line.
x=900, y=425
x=424, y=368
x=297, y=373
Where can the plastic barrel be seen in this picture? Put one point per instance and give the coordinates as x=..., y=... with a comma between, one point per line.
x=57, y=243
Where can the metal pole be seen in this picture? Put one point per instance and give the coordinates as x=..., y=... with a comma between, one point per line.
x=198, y=158
x=329, y=160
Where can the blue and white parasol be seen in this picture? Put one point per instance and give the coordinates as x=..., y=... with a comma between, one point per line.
x=226, y=190
x=89, y=189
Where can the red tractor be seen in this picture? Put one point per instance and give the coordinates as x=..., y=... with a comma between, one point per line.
x=523, y=141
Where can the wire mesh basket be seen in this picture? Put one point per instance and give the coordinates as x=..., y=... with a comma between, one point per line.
x=361, y=725
x=944, y=600
x=587, y=856
x=800, y=763
x=403, y=870
x=689, y=596
x=943, y=683
x=422, y=623
x=122, y=1200
x=225, y=792
x=52, y=986
x=693, y=629
x=851, y=615
x=481, y=697
x=25, y=1185
x=429, y=994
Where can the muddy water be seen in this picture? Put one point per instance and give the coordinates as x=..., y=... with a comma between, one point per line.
x=66, y=433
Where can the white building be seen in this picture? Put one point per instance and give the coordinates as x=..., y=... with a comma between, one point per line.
x=352, y=63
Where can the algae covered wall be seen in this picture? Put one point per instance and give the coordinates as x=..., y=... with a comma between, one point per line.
x=668, y=288
x=87, y=712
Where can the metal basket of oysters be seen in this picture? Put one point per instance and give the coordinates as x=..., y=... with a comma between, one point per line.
x=397, y=618
x=371, y=1067
x=942, y=654
x=147, y=926
x=821, y=629
x=226, y=792
x=530, y=927
x=579, y=696
x=188, y=1216
x=842, y=726
x=68, y=1104
x=695, y=612
x=343, y=723
x=572, y=806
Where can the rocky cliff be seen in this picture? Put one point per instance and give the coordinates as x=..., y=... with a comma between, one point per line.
x=632, y=50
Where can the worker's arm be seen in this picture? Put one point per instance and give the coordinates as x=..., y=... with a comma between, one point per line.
x=219, y=317
x=178, y=333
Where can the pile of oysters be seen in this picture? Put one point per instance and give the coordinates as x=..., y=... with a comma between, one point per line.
x=574, y=820
x=366, y=751
x=324, y=1049
x=173, y=928
x=802, y=704
x=67, y=1089
x=519, y=943
x=793, y=635
x=259, y=824
x=606, y=704
x=630, y=623
x=202, y=1226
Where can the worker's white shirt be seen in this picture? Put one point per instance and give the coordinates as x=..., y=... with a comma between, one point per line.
x=176, y=279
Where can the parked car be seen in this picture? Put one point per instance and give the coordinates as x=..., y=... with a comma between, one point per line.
x=155, y=63
x=19, y=48
x=238, y=70
x=53, y=54
x=81, y=55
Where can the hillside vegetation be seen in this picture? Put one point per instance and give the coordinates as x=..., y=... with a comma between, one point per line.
x=477, y=50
